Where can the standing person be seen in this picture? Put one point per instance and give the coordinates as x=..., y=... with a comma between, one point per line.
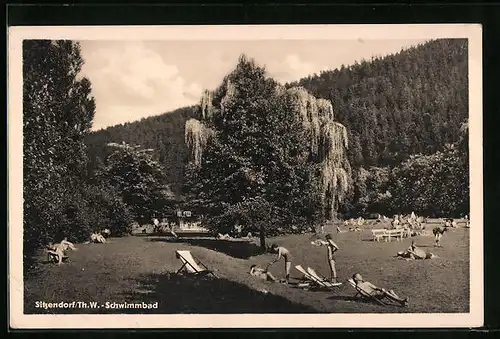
x=438, y=233
x=285, y=254
x=156, y=223
x=332, y=248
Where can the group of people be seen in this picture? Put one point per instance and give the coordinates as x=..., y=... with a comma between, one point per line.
x=283, y=253
x=332, y=248
x=414, y=253
x=100, y=237
x=59, y=251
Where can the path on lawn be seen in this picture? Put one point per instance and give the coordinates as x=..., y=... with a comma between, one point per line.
x=139, y=268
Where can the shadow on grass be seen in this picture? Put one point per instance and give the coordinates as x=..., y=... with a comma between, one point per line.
x=204, y=295
x=235, y=249
x=360, y=300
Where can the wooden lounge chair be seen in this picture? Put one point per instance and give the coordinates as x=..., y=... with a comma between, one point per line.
x=361, y=293
x=52, y=256
x=323, y=280
x=190, y=265
x=317, y=282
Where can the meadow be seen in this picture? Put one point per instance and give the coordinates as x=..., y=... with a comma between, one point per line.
x=142, y=268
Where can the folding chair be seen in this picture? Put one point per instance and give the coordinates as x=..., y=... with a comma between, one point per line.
x=191, y=265
x=360, y=292
x=322, y=279
x=52, y=256
x=317, y=282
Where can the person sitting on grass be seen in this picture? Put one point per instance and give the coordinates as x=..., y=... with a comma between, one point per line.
x=285, y=254
x=97, y=238
x=262, y=273
x=61, y=249
x=377, y=292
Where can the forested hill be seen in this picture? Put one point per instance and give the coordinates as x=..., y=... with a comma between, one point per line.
x=406, y=103
x=164, y=133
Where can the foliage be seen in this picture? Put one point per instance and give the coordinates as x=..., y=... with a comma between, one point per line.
x=139, y=178
x=434, y=185
x=411, y=102
x=163, y=133
x=105, y=208
x=253, y=160
x=394, y=106
x=57, y=113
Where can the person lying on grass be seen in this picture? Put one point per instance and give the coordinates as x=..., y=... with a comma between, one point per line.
x=414, y=253
x=262, y=273
x=285, y=254
x=61, y=249
x=377, y=292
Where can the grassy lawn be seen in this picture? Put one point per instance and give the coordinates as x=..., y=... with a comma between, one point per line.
x=140, y=269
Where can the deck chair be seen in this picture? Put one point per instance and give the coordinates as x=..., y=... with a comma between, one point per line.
x=312, y=279
x=360, y=292
x=308, y=278
x=52, y=256
x=322, y=279
x=191, y=265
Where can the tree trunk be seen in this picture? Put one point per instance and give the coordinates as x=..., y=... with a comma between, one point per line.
x=262, y=237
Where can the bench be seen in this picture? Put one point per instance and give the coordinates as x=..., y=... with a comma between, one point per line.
x=378, y=234
x=386, y=235
x=397, y=233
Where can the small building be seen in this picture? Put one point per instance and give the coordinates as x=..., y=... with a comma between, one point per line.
x=188, y=222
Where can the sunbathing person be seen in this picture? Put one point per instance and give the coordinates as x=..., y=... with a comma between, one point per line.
x=97, y=238
x=414, y=253
x=224, y=236
x=377, y=292
x=261, y=273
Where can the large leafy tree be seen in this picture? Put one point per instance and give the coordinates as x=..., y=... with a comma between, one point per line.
x=436, y=184
x=57, y=113
x=254, y=151
x=140, y=179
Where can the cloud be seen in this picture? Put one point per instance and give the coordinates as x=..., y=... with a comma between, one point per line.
x=131, y=81
x=293, y=68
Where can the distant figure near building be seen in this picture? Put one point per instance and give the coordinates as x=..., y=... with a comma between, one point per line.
x=156, y=224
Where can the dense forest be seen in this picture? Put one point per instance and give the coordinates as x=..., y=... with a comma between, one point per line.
x=163, y=133
x=411, y=102
x=414, y=102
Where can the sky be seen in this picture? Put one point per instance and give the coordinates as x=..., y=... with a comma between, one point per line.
x=132, y=80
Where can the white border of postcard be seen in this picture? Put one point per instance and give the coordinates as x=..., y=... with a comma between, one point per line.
x=473, y=32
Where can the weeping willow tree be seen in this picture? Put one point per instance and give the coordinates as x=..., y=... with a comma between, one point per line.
x=257, y=143
x=328, y=145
